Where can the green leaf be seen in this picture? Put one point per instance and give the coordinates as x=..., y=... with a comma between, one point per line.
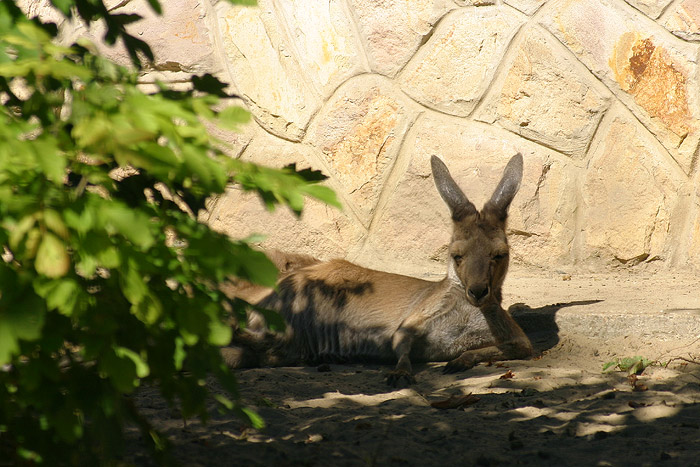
x=234, y=116
x=21, y=320
x=81, y=221
x=67, y=424
x=33, y=32
x=52, y=258
x=322, y=193
x=132, y=224
x=253, y=418
x=64, y=6
x=120, y=370
x=142, y=369
x=148, y=310
x=109, y=257
x=253, y=265
x=91, y=131
x=210, y=174
x=20, y=230
x=31, y=456
x=96, y=250
x=225, y=401
x=64, y=295
x=179, y=354
x=220, y=333
x=51, y=161
x=54, y=221
x=133, y=286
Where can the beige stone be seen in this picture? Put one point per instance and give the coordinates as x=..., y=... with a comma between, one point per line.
x=684, y=20
x=323, y=41
x=546, y=98
x=529, y=7
x=604, y=103
x=413, y=230
x=393, y=29
x=263, y=68
x=651, y=8
x=321, y=231
x=453, y=69
x=629, y=193
x=650, y=71
x=42, y=9
x=475, y=2
x=358, y=133
x=692, y=241
x=180, y=39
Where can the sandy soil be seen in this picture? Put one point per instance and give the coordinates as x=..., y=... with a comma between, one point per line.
x=557, y=409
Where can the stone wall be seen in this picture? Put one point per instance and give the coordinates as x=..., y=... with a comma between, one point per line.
x=600, y=96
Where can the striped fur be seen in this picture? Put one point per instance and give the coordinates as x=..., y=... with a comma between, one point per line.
x=340, y=312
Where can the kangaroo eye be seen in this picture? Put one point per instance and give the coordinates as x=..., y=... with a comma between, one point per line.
x=457, y=258
x=499, y=257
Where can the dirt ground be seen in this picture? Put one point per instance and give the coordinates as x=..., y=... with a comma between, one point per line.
x=556, y=409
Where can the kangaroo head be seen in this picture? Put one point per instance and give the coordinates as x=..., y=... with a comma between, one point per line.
x=479, y=253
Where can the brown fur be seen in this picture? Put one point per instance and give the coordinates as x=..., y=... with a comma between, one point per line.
x=338, y=311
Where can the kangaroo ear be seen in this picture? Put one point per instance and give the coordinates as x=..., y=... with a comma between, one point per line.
x=453, y=196
x=507, y=187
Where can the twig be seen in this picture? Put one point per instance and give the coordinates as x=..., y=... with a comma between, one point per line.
x=680, y=347
x=690, y=359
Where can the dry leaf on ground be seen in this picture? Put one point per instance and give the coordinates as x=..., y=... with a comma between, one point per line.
x=454, y=402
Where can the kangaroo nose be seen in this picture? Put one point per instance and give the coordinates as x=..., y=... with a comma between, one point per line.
x=477, y=292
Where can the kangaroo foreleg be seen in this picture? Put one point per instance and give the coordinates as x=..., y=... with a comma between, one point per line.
x=511, y=343
x=494, y=353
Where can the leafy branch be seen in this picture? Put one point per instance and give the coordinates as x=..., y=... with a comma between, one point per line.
x=108, y=281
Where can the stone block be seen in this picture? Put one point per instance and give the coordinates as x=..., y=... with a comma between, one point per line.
x=529, y=7
x=690, y=242
x=475, y=2
x=393, y=30
x=452, y=70
x=359, y=132
x=684, y=20
x=264, y=70
x=547, y=98
x=629, y=193
x=181, y=38
x=652, y=72
x=412, y=231
x=651, y=8
x=42, y=9
x=323, y=40
x=321, y=231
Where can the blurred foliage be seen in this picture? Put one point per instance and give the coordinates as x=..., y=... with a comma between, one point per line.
x=108, y=281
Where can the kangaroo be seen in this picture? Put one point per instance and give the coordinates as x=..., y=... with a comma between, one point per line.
x=338, y=311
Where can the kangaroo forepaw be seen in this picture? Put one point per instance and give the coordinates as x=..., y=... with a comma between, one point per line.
x=460, y=363
x=400, y=378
